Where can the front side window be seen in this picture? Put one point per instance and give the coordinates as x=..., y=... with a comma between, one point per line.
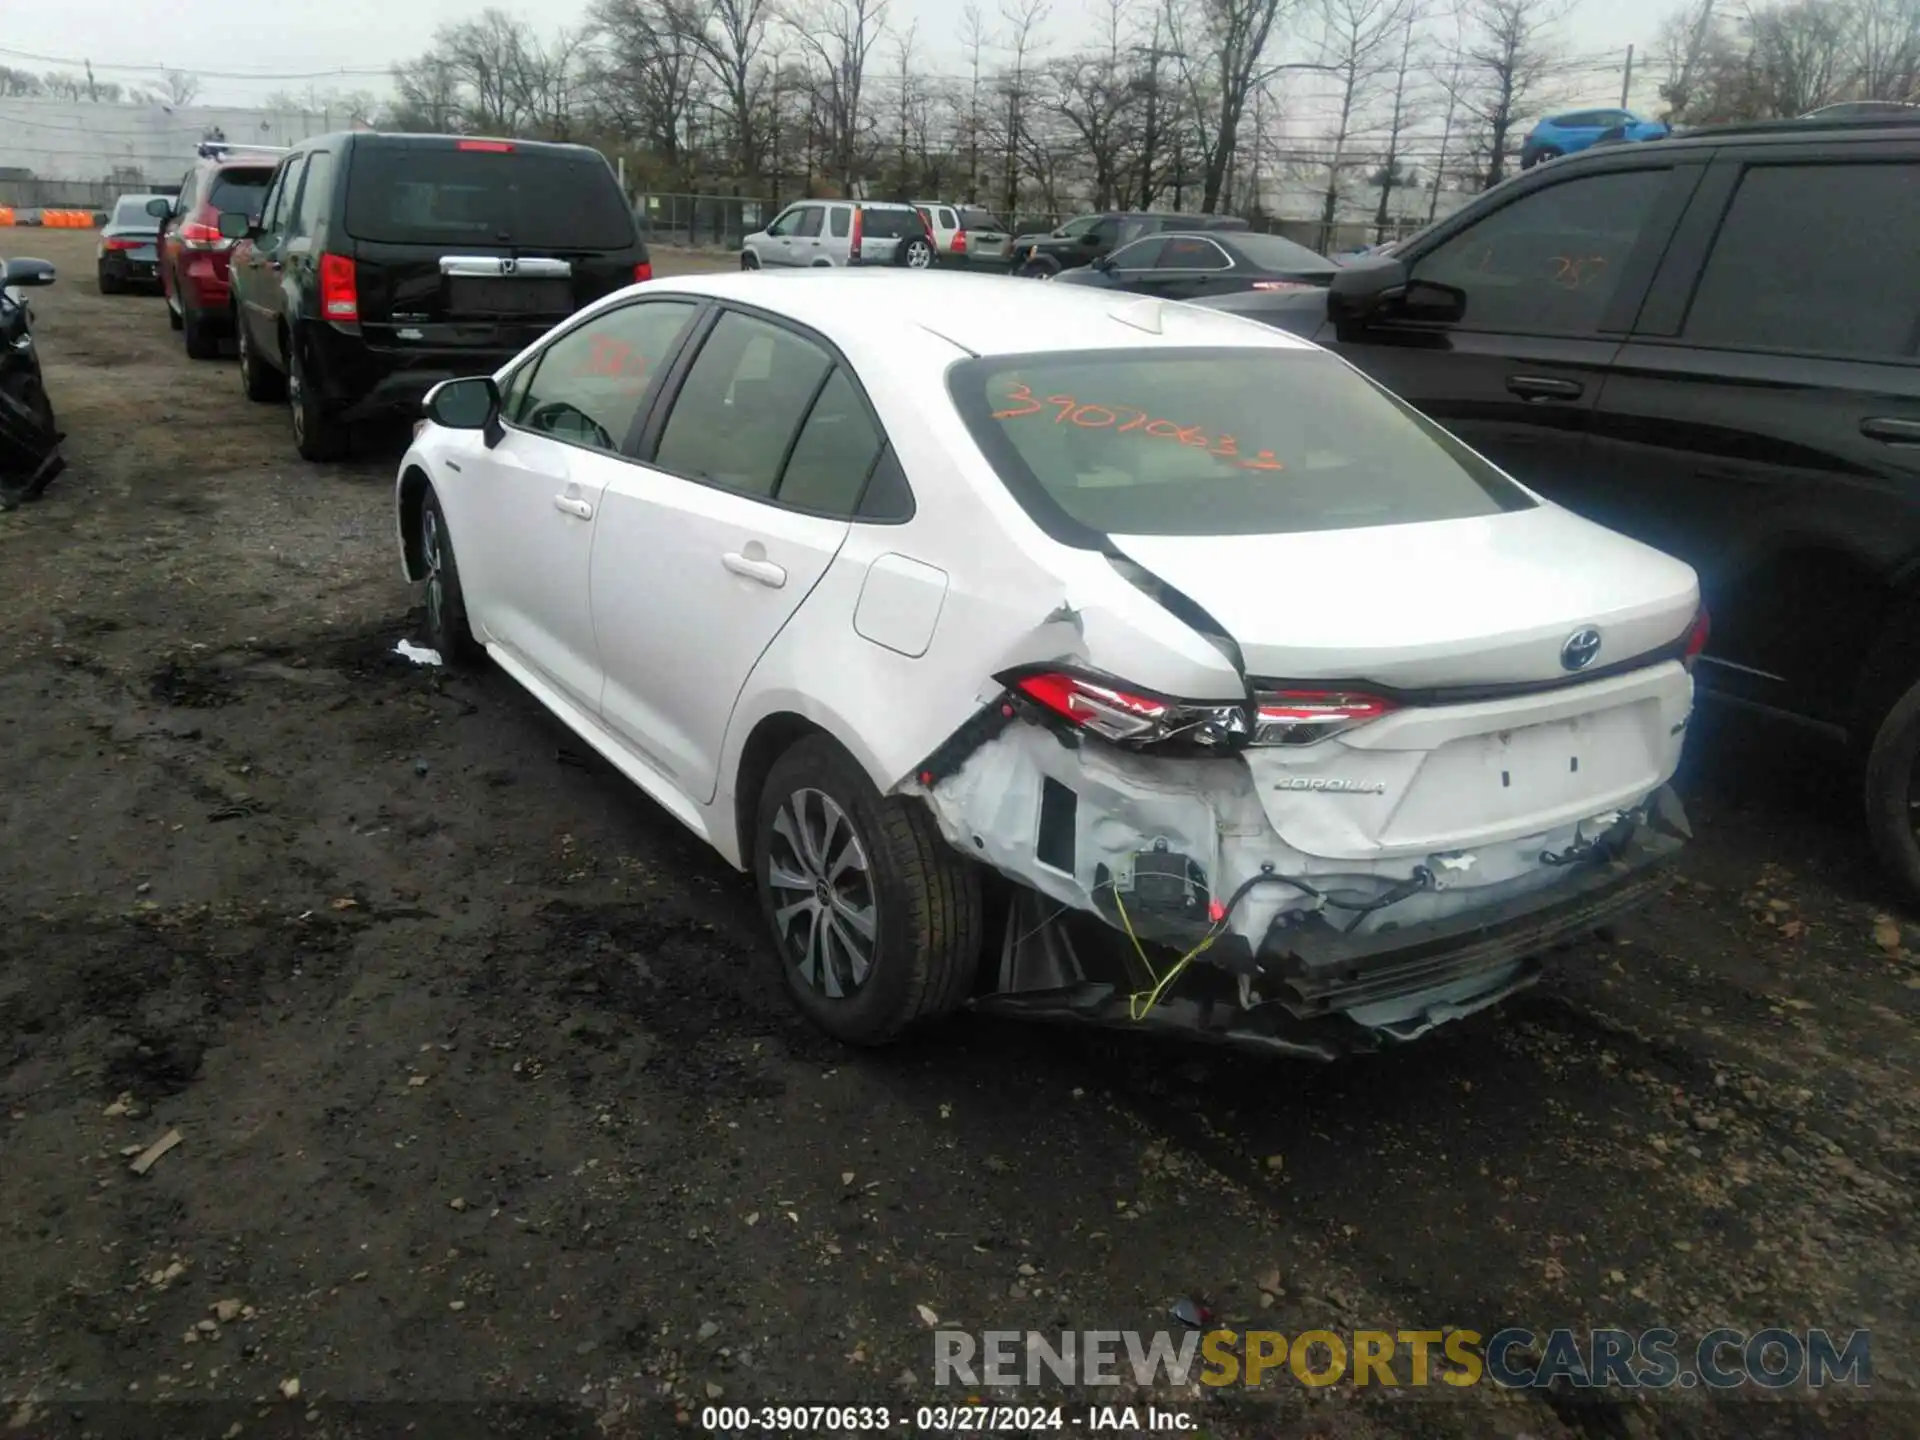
x=742, y=405
x=807, y=222
x=1079, y=225
x=588, y=386
x=1215, y=442
x=1549, y=261
x=786, y=222
x=1787, y=274
x=1185, y=253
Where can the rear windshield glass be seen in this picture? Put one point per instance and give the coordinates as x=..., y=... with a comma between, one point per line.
x=131, y=210
x=980, y=220
x=1276, y=252
x=891, y=224
x=1215, y=442
x=437, y=195
x=240, y=191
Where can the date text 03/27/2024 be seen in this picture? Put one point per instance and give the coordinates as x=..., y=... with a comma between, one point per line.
x=943, y=1419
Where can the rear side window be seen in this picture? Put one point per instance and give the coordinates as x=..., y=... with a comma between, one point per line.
x=590, y=383
x=314, y=189
x=1215, y=442
x=841, y=219
x=742, y=405
x=1787, y=273
x=240, y=190
x=890, y=224
x=947, y=221
x=834, y=453
x=442, y=195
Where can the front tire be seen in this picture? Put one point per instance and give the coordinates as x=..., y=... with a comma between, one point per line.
x=876, y=920
x=447, y=627
x=261, y=384
x=317, y=435
x=1892, y=794
x=749, y=261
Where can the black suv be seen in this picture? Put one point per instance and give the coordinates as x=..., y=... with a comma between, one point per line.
x=1086, y=238
x=1711, y=343
x=380, y=265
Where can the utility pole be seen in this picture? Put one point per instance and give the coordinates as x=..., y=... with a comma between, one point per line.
x=1626, y=80
x=1446, y=134
x=93, y=87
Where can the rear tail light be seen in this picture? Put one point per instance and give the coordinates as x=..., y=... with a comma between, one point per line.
x=853, y=248
x=196, y=236
x=1697, y=638
x=643, y=271
x=339, y=288
x=959, y=242
x=1141, y=719
x=121, y=242
x=1305, y=717
x=1135, y=718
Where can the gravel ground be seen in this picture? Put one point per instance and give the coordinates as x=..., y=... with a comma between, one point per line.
x=487, y=1091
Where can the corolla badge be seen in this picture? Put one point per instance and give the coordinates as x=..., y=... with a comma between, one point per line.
x=1577, y=652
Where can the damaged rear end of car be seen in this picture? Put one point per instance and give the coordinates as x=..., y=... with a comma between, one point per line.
x=1419, y=739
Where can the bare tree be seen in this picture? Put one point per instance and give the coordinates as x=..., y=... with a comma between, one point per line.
x=840, y=35
x=644, y=75
x=429, y=95
x=1886, y=45
x=178, y=88
x=974, y=39
x=729, y=35
x=1023, y=19
x=1400, y=118
x=1357, y=48
x=1506, y=60
x=1096, y=94
x=19, y=82
x=1222, y=47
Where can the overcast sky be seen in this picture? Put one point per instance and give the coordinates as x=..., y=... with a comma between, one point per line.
x=359, y=39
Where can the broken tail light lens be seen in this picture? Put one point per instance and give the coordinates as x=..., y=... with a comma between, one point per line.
x=1306, y=717
x=1135, y=718
x=1697, y=638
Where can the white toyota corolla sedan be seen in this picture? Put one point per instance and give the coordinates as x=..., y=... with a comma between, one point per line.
x=1066, y=654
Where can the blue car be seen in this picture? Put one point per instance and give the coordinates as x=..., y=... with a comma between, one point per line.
x=1578, y=129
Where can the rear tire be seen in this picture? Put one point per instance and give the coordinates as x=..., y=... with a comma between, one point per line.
x=202, y=343
x=109, y=284
x=174, y=321
x=1039, y=270
x=1889, y=793
x=876, y=920
x=317, y=435
x=262, y=384
x=916, y=254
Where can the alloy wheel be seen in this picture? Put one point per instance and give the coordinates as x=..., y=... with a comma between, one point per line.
x=919, y=256
x=430, y=553
x=824, y=908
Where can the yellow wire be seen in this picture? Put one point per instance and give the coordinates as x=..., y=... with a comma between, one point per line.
x=1137, y=1011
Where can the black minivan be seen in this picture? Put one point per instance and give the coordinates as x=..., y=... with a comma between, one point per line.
x=380, y=265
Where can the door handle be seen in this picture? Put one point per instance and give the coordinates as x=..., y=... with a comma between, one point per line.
x=570, y=505
x=1889, y=430
x=1544, y=387
x=765, y=571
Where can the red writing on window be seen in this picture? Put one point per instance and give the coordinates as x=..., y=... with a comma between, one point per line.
x=1071, y=410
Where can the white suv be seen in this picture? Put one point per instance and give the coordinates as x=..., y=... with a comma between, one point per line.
x=1244, y=699
x=821, y=233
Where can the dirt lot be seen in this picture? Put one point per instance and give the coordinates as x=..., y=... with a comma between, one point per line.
x=487, y=1091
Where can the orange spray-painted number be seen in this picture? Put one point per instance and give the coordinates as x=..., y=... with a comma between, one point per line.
x=1070, y=410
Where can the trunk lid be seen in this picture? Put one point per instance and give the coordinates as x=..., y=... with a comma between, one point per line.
x=1487, y=601
x=1496, y=737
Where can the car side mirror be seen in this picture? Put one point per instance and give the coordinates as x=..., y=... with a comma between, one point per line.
x=159, y=209
x=1377, y=286
x=235, y=226
x=28, y=272
x=467, y=404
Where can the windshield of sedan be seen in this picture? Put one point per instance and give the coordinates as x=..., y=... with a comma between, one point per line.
x=1215, y=442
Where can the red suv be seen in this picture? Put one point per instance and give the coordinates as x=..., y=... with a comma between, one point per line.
x=193, y=256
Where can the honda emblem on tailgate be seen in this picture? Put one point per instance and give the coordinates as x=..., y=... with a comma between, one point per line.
x=1578, y=651
x=508, y=265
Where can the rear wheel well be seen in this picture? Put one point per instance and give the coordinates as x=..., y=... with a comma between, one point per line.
x=414, y=486
x=771, y=738
x=1819, y=617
